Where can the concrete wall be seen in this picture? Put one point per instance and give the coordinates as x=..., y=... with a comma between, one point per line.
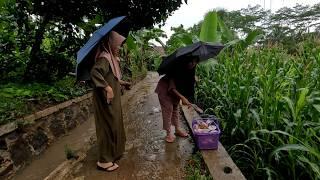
x=31, y=135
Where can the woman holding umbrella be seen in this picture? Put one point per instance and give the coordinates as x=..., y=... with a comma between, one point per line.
x=175, y=86
x=106, y=77
x=98, y=63
x=178, y=82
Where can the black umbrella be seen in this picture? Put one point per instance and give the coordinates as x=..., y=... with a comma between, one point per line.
x=202, y=50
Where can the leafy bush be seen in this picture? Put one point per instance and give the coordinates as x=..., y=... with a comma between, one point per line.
x=139, y=55
x=52, y=67
x=13, y=53
x=157, y=59
x=17, y=100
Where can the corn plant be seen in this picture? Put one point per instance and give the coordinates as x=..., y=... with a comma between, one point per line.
x=269, y=105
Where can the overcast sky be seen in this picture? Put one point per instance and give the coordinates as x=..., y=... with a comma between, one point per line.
x=191, y=13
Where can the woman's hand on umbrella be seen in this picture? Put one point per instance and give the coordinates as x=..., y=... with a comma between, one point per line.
x=110, y=94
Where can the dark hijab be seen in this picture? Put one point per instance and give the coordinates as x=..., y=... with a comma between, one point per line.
x=184, y=79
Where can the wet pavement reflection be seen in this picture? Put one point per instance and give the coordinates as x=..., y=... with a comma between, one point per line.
x=147, y=155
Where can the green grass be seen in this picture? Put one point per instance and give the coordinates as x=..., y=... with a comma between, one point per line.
x=269, y=105
x=17, y=100
x=196, y=168
x=70, y=153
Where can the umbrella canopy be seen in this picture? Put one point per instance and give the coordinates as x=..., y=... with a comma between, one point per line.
x=83, y=63
x=201, y=50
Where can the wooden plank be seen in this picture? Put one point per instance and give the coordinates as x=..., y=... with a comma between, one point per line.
x=219, y=163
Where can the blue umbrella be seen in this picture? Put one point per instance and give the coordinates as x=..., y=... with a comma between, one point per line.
x=83, y=63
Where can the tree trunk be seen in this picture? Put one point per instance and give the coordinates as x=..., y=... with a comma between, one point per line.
x=33, y=69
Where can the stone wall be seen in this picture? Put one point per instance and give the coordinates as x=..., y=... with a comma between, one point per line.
x=31, y=135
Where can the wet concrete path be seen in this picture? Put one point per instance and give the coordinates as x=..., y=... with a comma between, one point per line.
x=147, y=155
x=46, y=162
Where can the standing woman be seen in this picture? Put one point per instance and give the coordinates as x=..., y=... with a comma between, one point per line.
x=106, y=77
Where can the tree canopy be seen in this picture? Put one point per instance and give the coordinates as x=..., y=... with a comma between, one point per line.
x=52, y=29
x=287, y=26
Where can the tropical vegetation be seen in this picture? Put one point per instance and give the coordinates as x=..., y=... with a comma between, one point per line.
x=264, y=88
x=39, y=41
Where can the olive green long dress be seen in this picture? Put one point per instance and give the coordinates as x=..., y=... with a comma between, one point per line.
x=108, y=117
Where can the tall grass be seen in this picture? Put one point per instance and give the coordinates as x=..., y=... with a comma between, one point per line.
x=269, y=105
